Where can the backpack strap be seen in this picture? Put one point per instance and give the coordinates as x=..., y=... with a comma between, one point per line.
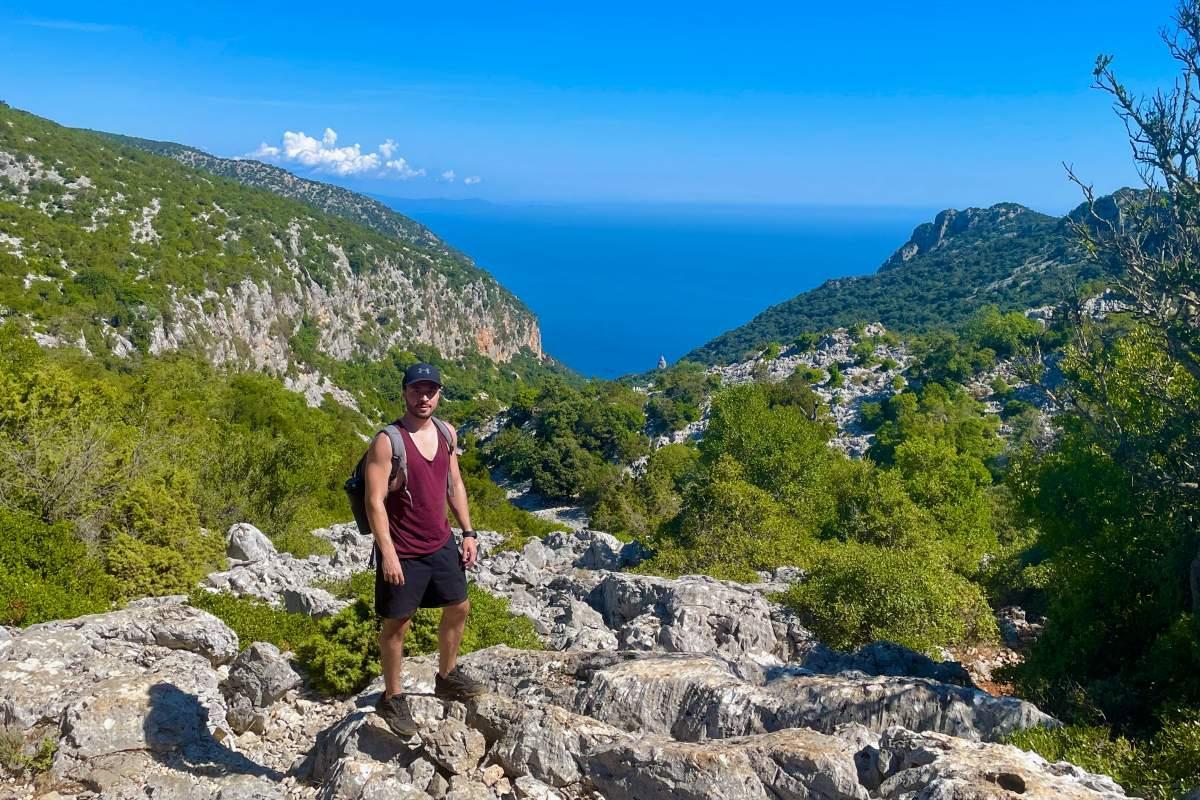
x=444, y=430
x=399, y=454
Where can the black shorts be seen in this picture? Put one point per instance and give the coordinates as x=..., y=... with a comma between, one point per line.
x=433, y=581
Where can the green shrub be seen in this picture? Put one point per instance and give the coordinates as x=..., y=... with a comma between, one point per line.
x=1013, y=408
x=806, y=342
x=255, y=620
x=1089, y=747
x=1163, y=766
x=343, y=656
x=490, y=509
x=728, y=528
x=47, y=573
x=772, y=351
x=143, y=570
x=17, y=762
x=303, y=544
x=12, y=750
x=857, y=594
x=360, y=584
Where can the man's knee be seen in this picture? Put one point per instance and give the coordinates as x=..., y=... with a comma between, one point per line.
x=457, y=612
x=394, y=629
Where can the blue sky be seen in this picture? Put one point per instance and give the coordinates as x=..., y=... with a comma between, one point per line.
x=930, y=105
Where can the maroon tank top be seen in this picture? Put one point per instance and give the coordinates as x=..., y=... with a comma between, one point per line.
x=417, y=512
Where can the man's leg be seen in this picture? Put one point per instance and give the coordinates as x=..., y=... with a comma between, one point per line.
x=450, y=633
x=391, y=653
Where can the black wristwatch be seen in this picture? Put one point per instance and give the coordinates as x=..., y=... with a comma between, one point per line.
x=470, y=535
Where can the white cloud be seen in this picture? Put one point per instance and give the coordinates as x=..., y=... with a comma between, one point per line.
x=402, y=170
x=265, y=151
x=447, y=176
x=324, y=155
x=471, y=181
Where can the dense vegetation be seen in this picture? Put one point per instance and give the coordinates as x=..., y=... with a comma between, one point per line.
x=119, y=479
x=1006, y=255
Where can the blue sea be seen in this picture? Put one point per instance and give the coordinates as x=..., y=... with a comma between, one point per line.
x=616, y=286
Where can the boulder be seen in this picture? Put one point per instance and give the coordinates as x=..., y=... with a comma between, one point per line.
x=312, y=601
x=694, y=697
x=244, y=542
x=49, y=666
x=794, y=763
x=546, y=743
x=454, y=747
x=943, y=767
x=261, y=674
x=258, y=677
x=697, y=614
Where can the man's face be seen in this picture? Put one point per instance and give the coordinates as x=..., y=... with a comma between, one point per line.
x=421, y=398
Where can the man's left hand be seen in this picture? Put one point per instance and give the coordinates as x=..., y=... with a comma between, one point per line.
x=470, y=551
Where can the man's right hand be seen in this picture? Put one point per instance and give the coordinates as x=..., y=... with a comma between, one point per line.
x=392, y=571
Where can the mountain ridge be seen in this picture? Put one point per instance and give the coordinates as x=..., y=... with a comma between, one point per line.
x=1005, y=255
x=119, y=250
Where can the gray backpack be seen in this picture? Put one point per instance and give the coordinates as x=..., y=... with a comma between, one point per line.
x=356, y=484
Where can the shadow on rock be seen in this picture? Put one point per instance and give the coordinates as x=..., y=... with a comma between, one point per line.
x=177, y=734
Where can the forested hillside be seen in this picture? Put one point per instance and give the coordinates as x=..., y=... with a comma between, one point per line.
x=323, y=196
x=1006, y=255
x=114, y=249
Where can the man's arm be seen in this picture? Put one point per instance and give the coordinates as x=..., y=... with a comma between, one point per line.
x=458, y=503
x=376, y=472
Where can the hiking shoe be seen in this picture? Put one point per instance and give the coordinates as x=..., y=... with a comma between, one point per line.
x=457, y=686
x=394, y=711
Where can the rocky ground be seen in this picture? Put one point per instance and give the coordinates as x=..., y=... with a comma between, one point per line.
x=650, y=688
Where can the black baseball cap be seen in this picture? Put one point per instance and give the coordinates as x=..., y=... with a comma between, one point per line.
x=422, y=372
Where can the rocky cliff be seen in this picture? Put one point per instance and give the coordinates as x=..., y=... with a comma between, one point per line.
x=654, y=688
x=113, y=249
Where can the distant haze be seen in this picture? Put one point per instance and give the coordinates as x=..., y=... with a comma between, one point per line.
x=615, y=286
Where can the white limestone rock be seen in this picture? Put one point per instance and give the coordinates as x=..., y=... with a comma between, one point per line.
x=244, y=542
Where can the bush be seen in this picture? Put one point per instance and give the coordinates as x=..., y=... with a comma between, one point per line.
x=343, y=656
x=47, y=573
x=1089, y=747
x=17, y=762
x=1161, y=767
x=303, y=544
x=859, y=594
x=490, y=509
x=806, y=342
x=143, y=570
x=255, y=620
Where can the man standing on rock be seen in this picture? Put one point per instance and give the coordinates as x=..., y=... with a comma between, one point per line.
x=419, y=564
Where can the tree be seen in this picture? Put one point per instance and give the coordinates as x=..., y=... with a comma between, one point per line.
x=1117, y=499
x=1154, y=235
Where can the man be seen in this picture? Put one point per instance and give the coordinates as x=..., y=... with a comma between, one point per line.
x=419, y=564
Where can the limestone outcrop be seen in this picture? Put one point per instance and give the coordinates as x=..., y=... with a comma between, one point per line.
x=651, y=688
